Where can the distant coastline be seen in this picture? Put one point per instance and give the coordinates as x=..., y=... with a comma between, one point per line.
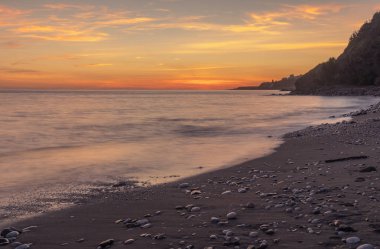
x=285, y=84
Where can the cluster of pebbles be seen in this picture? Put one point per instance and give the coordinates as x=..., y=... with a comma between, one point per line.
x=316, y=209
x=10, y=236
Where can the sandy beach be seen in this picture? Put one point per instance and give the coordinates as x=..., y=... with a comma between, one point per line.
x=318, y=190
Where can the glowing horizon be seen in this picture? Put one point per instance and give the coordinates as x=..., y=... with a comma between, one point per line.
x=169, y=44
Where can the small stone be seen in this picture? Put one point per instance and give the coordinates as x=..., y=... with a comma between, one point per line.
x=184, y=185
x=4, y=241
x=195, y=192
x=213, y=237
x=250, y=205
x=106, y=244
x=148, y=225
x=231, y=215
x=16, y=244
x=253, y=234
x=263, y=245
x=352, y=240
x=29, y=228
x=129, y=241
x=119, y=221
x=228, y=233
x=159, y=236
x=242, y=190
x=226, y=192
x=12, y=234
x=215, y=220
x=24, y=246
x=5, y=231
x=195, y=209
x=141, y=222
x=366, y=246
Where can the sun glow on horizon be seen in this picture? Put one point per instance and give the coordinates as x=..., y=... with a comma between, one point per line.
x=181, y=44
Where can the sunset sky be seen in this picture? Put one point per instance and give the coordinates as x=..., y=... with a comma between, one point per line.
x=169, y=44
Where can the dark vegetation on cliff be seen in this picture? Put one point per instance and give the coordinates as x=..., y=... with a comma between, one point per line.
x=286, y=84
x=358, y=66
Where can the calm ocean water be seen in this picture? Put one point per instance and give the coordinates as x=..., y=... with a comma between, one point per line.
x=52, y=142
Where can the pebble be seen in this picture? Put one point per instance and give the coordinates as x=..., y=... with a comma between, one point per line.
x=250, y=205
x=184, y=185
x=242, y=190
x=263, y=245
x=24, y=246
x=195, y=192
x=129, y=241
x=366, y=246
x=12, y=234
x=148, y=225
x=16, y=244
x=215, y=220
x=253, y=234
x=231, y=215
x=195, y=209
x=5, y=231
x=159, y=236
x=352, y=240
x=106, y=244
x=4, y=241
x=29, y=228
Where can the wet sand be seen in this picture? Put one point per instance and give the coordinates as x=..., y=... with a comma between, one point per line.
x=292, y=198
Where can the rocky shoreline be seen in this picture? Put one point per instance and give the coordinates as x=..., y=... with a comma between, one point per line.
x=340, y=91
x=320, y=189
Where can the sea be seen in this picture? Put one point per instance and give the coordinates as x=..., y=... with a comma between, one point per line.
x=58, y=144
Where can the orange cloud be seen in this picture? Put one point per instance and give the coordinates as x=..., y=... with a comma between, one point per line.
x=56, y=33
x=295, y=12
x=11, y=45
x=124, y=21
x=251, y=46
x=64, y=6
x=7, y=11
x=86, y=24
x=99, y=65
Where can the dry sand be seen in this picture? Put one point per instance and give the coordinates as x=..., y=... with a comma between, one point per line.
x=299, y=200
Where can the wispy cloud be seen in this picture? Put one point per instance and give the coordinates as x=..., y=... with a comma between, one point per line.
x=84, y=23
x=290, y=13
x=18, y=70
x=57, y=33
x=11, y=45
x=65, y=6
x=99, y=65
x=8, y=11
x=251, y=46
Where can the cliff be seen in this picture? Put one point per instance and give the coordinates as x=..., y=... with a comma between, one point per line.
x=358, y=66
